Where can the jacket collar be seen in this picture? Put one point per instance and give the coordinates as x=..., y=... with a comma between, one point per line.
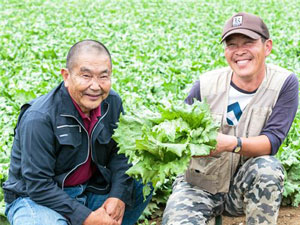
x=66, y=105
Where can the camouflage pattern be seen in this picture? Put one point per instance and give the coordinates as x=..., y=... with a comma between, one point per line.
x=255, y=191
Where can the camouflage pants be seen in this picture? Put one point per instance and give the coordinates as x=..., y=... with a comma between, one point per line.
x=256, y=191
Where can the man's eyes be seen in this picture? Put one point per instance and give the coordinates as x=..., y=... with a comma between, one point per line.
x=87, y=76
x=103, y=76
x=249, y=42
x=231, y=45
x=245, y=44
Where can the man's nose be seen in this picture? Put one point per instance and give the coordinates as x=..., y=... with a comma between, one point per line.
x=240, y=50
x=95, y=84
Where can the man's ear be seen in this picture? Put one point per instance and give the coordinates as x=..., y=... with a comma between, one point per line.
x=268, y=47
x=66, y=76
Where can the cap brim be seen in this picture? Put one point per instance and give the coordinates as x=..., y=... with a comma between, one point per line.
x=246, y=32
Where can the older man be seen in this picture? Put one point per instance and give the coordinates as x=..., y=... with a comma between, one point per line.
x=64, y=167
x=255, y=104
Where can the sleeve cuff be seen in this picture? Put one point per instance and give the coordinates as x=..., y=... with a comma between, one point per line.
x=79, y=215
x=273, y=141
x=124, y=193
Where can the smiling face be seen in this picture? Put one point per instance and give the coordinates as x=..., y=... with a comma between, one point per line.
x=88, y=81
x=246, y=56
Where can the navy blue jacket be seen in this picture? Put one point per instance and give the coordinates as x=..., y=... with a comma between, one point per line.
x=51, y=142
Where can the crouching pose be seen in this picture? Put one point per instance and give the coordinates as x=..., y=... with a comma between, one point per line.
x=255, y=104
x=65, y=167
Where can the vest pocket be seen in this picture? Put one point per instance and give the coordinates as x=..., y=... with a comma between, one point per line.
x=206, y=165
x=211, y=174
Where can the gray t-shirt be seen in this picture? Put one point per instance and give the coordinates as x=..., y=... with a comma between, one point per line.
x=282, y=116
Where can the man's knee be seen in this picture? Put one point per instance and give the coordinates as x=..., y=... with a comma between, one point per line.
x=190, y=205
x=177, y=213
x=265, y=184
x=266, y=170
x=24, y=211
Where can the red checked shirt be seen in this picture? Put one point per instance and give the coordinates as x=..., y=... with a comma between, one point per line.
x=84, y=172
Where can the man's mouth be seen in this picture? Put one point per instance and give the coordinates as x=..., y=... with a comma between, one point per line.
x=242, y=62
x=93, y=97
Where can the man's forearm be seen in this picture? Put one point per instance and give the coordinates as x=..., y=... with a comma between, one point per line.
x=256, y=146
x=252, y=146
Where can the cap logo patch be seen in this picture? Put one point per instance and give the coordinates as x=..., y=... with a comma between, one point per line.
x=237, y=21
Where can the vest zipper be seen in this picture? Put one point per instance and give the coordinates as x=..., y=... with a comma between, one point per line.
x=243, y=157
x=231, y=160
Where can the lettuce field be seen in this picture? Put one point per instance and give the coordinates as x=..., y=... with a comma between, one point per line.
x=159, y=48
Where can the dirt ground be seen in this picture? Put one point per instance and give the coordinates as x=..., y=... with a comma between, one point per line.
x=287, y=216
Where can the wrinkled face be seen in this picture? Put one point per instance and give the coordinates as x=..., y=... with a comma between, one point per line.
x=246, y=56
x=89, y=80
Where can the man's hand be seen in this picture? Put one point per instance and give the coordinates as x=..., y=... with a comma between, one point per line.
x=115, y=208
x=100, y=217
x=225, y=143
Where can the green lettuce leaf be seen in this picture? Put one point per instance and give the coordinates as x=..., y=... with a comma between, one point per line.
x=160, y=144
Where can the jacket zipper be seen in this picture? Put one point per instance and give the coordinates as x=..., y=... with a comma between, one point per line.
x=96, y=126
x=63, y=182
x=89, y=143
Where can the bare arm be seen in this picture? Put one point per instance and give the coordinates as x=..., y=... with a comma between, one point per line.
x=252, y=146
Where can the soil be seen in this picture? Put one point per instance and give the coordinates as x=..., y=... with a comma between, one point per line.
x=287, y=216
